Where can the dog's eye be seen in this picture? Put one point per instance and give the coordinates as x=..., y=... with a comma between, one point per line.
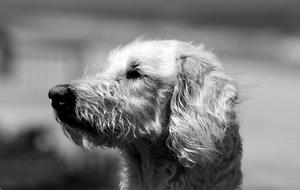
x=133, y=74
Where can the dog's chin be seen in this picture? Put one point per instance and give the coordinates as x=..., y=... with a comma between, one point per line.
x=75, y=130
x=83, y=134
x=83, y=137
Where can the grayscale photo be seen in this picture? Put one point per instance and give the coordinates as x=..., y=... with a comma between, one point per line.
x=149, y=95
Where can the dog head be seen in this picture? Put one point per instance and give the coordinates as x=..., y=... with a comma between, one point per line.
x=150, y=90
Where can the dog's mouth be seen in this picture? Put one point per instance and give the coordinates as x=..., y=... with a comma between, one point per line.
x=64, y=99
x=108, y=120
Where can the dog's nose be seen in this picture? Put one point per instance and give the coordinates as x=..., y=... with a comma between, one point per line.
x=63, y=98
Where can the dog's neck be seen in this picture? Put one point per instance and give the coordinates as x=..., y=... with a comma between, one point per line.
x=147, y=169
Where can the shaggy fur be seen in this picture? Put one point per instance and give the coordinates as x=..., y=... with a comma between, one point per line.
x=170, y=109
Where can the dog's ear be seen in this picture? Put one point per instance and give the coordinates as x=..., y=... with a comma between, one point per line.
x=202, y=108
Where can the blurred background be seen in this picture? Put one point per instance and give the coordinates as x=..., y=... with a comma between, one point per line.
x=43, y=43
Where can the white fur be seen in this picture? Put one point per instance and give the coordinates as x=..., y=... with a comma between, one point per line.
x=175, y=122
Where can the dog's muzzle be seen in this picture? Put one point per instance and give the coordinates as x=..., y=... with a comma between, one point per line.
x=63, y=99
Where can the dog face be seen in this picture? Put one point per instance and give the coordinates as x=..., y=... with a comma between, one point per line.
x=151, y=89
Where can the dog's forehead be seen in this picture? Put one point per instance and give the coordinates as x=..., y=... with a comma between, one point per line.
x=155, y=58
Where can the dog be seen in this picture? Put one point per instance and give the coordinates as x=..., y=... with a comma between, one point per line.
x=170, y=109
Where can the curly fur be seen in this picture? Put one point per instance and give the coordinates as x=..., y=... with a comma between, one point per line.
x=170, y=108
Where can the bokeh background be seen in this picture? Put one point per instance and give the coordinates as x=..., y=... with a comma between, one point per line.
x=43, y=43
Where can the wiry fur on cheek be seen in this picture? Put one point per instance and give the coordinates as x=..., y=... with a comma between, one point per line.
x=117, y=112
x=100, y=105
